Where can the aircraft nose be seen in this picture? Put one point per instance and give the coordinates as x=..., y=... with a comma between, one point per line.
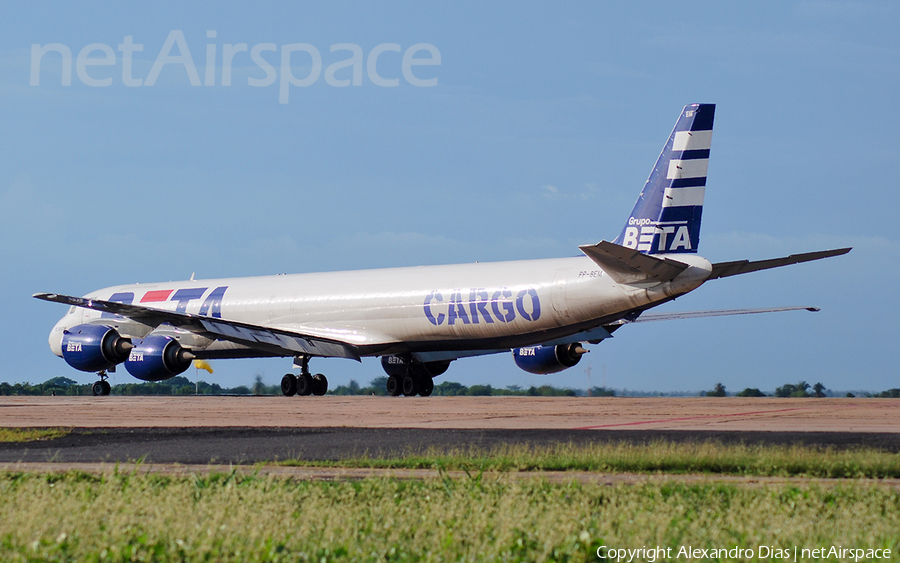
x=56, y=339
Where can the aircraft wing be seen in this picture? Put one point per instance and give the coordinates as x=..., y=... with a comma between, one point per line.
x=278, y=341
x=725, y=269
x=650, y=317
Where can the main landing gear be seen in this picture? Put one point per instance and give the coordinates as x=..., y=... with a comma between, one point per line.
x=409, y=385
x=409, y=376
x=101, y=387
x=305, y=383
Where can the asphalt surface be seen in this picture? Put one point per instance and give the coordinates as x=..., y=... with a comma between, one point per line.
x=243, y=445
x=765, y=414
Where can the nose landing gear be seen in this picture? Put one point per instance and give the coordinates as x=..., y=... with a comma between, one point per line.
x=101, y=387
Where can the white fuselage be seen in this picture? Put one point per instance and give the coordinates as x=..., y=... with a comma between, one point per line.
x=478, y=306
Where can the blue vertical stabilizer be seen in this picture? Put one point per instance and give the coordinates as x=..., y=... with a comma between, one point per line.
x=666, y=217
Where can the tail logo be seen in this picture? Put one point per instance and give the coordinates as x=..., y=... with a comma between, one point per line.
x=666, y=217
x=643, y=240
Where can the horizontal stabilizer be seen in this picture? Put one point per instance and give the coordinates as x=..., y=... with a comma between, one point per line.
x=626, y=265
x=273, y=340
x=725, y=269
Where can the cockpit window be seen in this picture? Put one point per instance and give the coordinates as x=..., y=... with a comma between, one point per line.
x=71, y=309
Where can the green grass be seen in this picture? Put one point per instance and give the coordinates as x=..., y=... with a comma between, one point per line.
x=31, y=434
x=135, y=517
x=656, y=457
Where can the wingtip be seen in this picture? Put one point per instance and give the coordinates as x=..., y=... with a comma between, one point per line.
x=836, y=251
x=813, y=309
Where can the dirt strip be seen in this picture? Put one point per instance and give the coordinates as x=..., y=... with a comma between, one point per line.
x=353, y=474
x=616, y=413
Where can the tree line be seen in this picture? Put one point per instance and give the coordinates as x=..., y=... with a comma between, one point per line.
x=454, y=389
x=183, y=386
x=175, y=386
x=801, y=389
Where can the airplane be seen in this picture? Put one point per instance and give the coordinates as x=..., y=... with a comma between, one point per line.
x=420, y=319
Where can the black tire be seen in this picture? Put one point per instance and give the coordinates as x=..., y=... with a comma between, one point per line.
x=97, y=388
x=106, y=387
x=393, y=386
x=320, y=385
x=410, y=385
x=426, y=387
x=289, y=385
x=304, y=384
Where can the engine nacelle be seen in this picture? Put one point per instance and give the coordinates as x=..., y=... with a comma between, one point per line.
x=396, y=365
x=158, y=357
x=543, y=360
x=94, y=347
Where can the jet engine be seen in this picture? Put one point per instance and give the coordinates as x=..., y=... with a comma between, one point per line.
x=94, y=347
x=543, y=360
x=158, y=357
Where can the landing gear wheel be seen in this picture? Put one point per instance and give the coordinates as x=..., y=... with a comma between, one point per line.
x=289, y=385
x=101, y=387
x=319, y=384
x=410, y=385
x=393, y=386
x=304, y=384
x=426, y=386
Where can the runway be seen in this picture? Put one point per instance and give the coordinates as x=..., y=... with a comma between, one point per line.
x=568, y=413
x=247, y=430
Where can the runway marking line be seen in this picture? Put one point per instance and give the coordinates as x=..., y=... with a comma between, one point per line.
x=702, y=417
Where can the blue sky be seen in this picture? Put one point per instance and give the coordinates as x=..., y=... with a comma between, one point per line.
x=543, y=125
